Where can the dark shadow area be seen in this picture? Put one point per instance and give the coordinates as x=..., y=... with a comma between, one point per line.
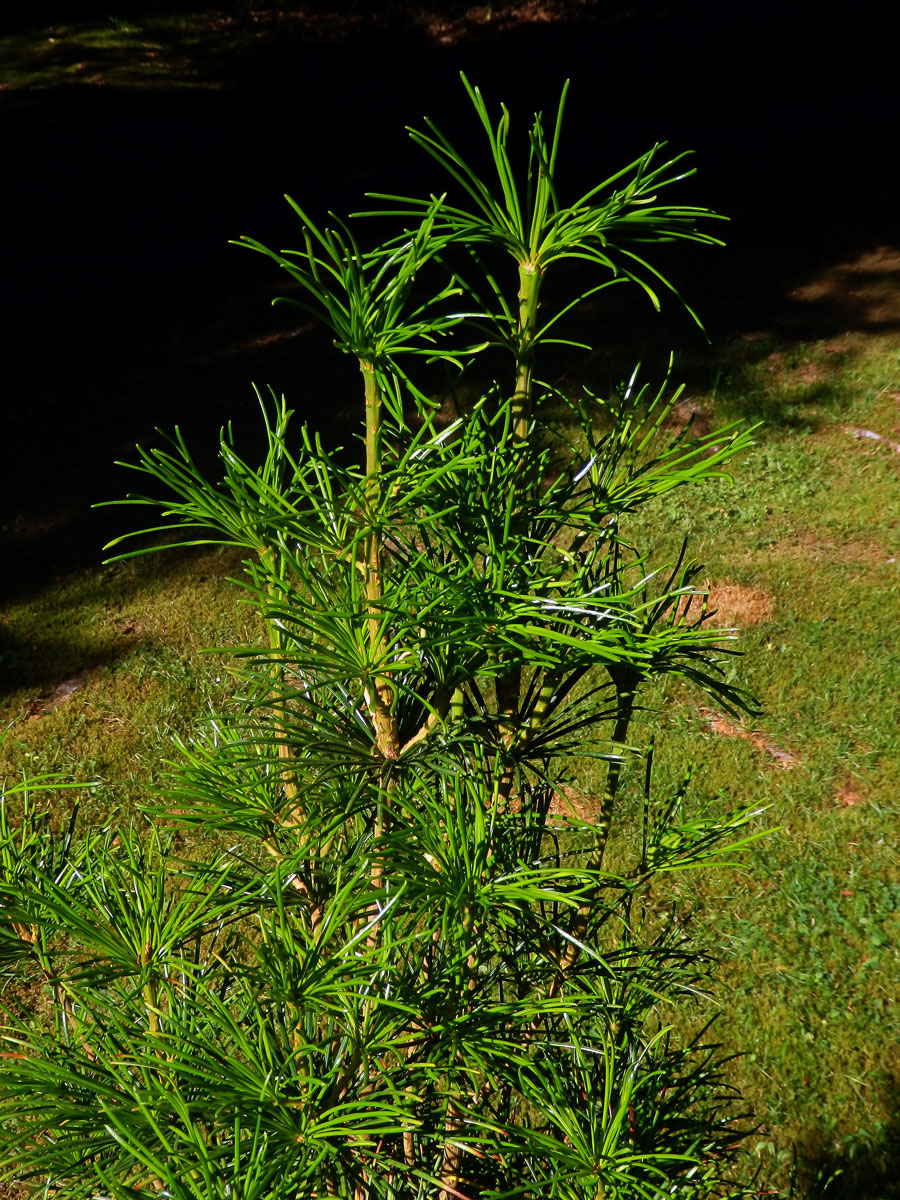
x=755, y=380
x=44, y=656
x=866, y=1166
x=21, y=16
x=26, y=665
x=126, y=309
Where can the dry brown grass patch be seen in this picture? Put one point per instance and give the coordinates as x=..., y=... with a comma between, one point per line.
x=849, y=796
x=740, y=605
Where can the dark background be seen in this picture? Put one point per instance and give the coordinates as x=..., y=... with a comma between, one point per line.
x=124, y=308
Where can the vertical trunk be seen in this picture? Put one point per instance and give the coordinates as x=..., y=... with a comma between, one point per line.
x=509, y=688
x=151, y=1003
x=542, y=705
x=452, y=1159
x=276, y=645
x=625, y=692
x=530, y=277
x=509, y=685
x=381, y=696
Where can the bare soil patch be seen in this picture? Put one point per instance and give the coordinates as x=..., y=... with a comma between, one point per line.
x=687, y=414
x=849, y=796
x=863, y=291
x=855, y=431
x=778, y=756
x=64, y=691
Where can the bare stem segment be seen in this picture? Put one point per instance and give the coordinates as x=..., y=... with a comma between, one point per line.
x=530, y=277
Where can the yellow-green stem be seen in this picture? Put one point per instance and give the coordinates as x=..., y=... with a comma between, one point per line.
x=509, y=685
x=530, y=277
x=381, y=699
x=276, y=644
x=543, y=703
x=151, y=1003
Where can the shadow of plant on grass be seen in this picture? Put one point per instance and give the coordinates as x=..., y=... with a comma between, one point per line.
x=863, y=1165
